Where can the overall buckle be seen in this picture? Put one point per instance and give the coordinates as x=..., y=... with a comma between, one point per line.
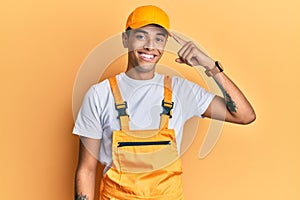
x=121, y=108
x=167, y=108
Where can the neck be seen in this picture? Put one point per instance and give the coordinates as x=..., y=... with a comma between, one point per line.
x=140, y=72
x=134, y=74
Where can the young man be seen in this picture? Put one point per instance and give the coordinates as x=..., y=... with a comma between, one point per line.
x=140, y=155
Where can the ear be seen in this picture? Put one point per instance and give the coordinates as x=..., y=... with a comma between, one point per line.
x=125, y=40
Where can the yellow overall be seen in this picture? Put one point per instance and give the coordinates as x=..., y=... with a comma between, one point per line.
x=145, y=163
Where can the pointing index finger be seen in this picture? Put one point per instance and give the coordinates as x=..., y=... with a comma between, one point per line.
x=179, y=39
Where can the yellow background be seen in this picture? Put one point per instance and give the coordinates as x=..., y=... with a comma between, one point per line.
x=43, y=43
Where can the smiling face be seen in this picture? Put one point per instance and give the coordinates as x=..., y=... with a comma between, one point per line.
x=145, y=48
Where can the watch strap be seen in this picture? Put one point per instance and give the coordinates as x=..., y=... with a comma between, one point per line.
x=217, y=69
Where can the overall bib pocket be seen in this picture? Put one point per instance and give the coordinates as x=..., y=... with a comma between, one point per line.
x=126, y=144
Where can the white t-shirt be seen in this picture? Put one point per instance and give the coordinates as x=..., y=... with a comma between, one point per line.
x=97, y=117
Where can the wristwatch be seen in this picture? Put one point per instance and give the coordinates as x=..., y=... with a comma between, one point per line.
x=217, y=69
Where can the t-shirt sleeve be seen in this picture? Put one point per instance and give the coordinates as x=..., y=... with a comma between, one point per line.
x=88, y=123
x=203, y=99
x=193, y=98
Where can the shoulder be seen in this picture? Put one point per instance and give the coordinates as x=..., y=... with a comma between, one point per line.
x=104, y=86
x=99, y=91
x=178, y=81
x=186, y=87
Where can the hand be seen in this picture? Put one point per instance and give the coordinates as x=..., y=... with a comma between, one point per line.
x=191, y=55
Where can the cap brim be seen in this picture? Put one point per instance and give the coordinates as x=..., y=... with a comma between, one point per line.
x=141, y=24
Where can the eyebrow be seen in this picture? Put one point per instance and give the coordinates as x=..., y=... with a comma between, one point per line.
x=145, y=32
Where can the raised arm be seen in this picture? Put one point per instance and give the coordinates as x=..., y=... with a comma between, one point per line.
x=86, y=169
x=233, y=106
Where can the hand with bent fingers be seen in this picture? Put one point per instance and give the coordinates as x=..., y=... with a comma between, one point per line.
x=191, y=55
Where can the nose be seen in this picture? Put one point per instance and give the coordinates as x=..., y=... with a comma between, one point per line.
x=149, y=44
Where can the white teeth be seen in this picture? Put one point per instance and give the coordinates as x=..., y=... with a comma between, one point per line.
x=147, y=56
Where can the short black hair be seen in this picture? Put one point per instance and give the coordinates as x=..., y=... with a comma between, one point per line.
x=128, y=31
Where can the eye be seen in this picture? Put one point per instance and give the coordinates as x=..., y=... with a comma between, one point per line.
x=140, y=37
x=160, y=39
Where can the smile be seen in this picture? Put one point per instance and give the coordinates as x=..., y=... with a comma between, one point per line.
x=146, y=57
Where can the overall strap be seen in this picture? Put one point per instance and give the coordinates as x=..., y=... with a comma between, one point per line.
x=167, y=103
x=120, y=105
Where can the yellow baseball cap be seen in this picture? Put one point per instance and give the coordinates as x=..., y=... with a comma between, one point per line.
x=146, y=15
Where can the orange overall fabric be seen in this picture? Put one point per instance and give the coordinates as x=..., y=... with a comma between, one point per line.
x=145, y=163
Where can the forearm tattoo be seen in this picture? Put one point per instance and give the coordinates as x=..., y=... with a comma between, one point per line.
x=81, y=197
x=230, y=104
